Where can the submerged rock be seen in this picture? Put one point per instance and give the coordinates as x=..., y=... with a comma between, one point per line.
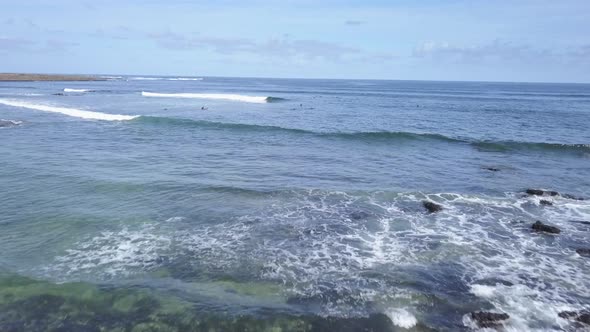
x=545, y=202
x=579, y=316
x=583, y=222
x=585, y=252
x=568, y=196
x=485, y=319
x=358, y=215
x=493, y=282
x=541, y=227
x=492, y=169
x=431, y=206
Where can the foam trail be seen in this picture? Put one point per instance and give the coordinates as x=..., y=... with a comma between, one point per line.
x=75, y=90
x=68, y=111
x=218, y=96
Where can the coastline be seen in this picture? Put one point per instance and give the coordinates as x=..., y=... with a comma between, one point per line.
x=19, y=77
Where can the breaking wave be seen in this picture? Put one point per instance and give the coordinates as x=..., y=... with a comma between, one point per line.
x=166, y=78
x=68, y=111
x=213, y=96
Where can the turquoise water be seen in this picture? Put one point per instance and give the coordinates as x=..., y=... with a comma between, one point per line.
x=269, y=199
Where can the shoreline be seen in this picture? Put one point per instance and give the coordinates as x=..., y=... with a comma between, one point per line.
x=20, y=77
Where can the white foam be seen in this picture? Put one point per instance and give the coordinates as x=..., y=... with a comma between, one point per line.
x=145, y=78
x=483, y=291
x=113, y=253
x=75, y=90
x=214, y=96
x=402, y=318
x=68, y=111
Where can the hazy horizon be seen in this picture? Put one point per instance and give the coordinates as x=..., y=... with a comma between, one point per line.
x=528, y=41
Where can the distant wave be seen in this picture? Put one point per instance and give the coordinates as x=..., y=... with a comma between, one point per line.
x=213, y=96
x=76, y=90
x=185, y=79
x=21, y=94
x=166, y=78
x=515, y=145
x=114, y=78
x=372, y=136
x=9, y=123
x=67, y=111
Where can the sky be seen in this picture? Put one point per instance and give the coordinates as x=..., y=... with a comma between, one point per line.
x=465, y=40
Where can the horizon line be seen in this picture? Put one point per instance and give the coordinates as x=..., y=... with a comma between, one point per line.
x=301, y=78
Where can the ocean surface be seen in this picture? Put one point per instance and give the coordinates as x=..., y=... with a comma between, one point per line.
x=251, y=204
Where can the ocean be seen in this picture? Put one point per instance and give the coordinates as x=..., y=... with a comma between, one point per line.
x=249, y=204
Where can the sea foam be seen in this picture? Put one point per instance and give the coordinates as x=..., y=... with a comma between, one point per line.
x=76, y=90
x=214, y=96
x=68, y=111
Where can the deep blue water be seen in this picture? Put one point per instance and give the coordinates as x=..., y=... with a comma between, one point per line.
x=311, y=199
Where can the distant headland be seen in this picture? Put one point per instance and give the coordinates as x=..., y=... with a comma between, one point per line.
x=47, y=77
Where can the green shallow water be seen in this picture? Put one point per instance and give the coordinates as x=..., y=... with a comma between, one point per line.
x=31, y=305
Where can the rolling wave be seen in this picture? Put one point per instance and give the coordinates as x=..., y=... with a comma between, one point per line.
x=542, y=146
x=373, y=136
x=213, y=96
x=68, y=111
x=217, y=125
x=76, y=90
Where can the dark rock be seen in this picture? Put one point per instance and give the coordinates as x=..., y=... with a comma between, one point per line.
x=431, y=206
x=539, y=192
x=585, y=252
x=488, y=319
x=579, y=316
x=59, y=94
x=492, y=169
x=535, y=192
x=545, y=202
x=541, y=227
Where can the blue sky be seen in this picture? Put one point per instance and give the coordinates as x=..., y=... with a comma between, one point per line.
x=517, y=40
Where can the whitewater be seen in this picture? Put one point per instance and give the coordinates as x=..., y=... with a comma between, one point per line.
x=83, y=114
x=212, y=96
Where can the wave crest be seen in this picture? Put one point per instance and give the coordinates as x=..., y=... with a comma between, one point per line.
x=68, y=111
x=213, y=96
